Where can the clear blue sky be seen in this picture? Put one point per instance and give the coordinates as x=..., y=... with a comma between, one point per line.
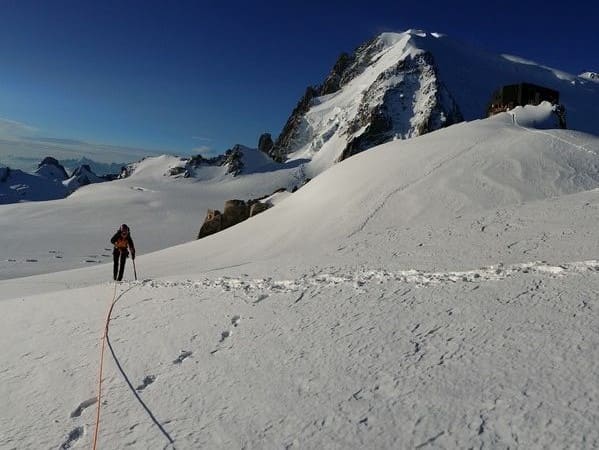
x=179, y=75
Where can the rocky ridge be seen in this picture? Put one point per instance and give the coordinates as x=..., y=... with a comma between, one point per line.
x=405, y=100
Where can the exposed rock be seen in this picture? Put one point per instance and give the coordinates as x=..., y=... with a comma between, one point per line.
x=265, y=143
x=333, y=81
x=235, y=211
x=257, y=208
x=177, y=170
x=407, y=99
x=212, y=223
x=82, y=176
x=410, y=101
x=232, y=158
x=291, y=130
x=4, y=174
x=52, y=169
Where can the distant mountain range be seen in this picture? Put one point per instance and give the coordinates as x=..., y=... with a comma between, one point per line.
x=395, y=86
x=49, y=182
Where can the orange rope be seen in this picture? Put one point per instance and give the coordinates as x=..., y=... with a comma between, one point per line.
x=99, y=398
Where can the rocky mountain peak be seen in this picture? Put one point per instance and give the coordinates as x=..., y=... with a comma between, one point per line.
x=399, y=96
x=52, y=169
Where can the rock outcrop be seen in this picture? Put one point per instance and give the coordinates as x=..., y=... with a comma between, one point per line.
x=4, y=174
x=82, y=176
x=50, y=168
x=290, y=135
x=265, y=143
x=234, y=212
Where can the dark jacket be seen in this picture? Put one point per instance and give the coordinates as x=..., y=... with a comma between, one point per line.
x=121, y=244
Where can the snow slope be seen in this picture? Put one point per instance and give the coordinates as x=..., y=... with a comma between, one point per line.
x=161, y=210
x=436, y=292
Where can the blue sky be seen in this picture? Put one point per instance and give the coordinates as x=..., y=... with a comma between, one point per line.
x=181, y=76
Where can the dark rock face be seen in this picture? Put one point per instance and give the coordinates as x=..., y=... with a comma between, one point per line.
x=257, y=208
x=174, y=171
x=395, y=116
x=4, y=174
x=234, y=160
x=212, y=223
x=53, y=162
x=234, y=212
x=345, y=69
x=333, y=81
x=83, y=173
x=265, y=143
x=292, y=127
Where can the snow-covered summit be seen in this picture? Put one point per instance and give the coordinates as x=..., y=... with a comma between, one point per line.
x=402, y=85
x=50, y=168
x=82, y=176
x=49, y=182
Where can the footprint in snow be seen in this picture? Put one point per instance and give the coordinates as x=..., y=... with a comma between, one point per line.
x=82, y=406
x=224, y=335
x=261, y=298
x=73, y=437
x=182, y=356
x=148, y=380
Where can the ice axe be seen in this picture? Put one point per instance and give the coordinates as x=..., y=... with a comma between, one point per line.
x=134, y=270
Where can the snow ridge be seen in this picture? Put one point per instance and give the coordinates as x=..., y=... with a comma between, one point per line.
x=360, y=278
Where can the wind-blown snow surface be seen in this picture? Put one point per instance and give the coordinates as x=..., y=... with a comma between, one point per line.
x=439, y=292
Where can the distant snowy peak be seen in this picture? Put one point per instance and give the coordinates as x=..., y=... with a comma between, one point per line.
x=235, y=161
x=50, y=168
x=82, y=176
x=49, y=182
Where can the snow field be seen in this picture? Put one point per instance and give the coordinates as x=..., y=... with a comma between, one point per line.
x=439, y=292
x=326, y=361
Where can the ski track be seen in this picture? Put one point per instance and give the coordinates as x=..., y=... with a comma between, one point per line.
x=405, y=186
x=360, y=278
x=553, y=136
